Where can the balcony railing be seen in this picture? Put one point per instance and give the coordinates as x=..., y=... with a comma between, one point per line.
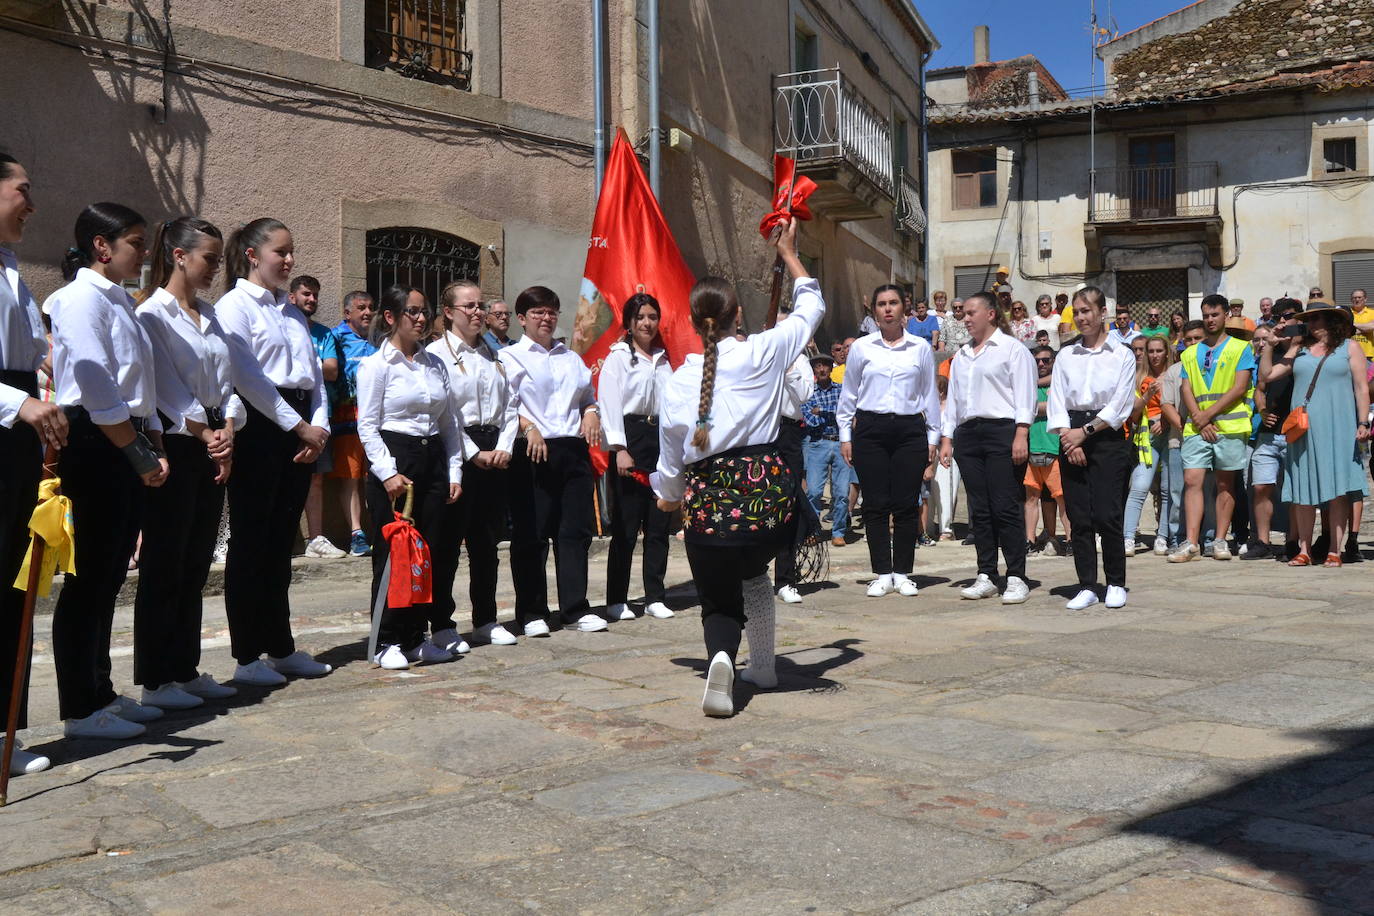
x=908, y=213
x=818, y=116
x=1154, y=192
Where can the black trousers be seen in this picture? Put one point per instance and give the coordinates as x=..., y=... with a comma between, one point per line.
x=996, y=493
x=107, y=510
x=477, y=520
x=719, y=573
x=551, y=501
x=634, y=508
x=267, y=494
x=425, y=462
x=890, y=454
x=179, y=529
x=21, y=465
x=1095, y=501
x=789, y=442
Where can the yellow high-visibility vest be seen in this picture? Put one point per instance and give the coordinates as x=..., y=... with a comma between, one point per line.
x=1237, y=421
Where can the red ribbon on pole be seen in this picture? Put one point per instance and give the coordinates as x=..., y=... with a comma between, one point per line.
x=411, y=579
x=789, y=195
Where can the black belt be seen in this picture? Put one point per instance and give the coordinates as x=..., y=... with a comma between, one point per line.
x=26, y=382
x=986, y=421
x=482, y=429
x=875, y=414
x=1079, y=418
x=651, y=419
x=79, y=414
x=828, y=437
x=294, y=396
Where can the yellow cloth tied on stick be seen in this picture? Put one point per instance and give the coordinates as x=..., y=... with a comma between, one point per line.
x=51, y=521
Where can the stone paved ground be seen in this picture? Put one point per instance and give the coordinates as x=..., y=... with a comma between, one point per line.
x=1208, y=750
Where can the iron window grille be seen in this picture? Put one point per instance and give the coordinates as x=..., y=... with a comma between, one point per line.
x=420, y=39
x=422, y=258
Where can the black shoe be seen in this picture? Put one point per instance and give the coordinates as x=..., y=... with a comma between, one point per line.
x=1321, y=546
x=968, y=542
x=1065, y=547
x=1290, y=550
x=1033, y=549
x=1351, y=554
x=1257, y=550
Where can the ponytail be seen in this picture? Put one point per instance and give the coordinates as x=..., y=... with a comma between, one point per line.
x=104, y=220
x=252, y=236
x=184, y=232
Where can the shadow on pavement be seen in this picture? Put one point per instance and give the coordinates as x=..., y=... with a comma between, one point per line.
x=793, y=676
x=1306, y=826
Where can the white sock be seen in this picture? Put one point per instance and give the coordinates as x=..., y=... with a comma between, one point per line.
x=760, y=613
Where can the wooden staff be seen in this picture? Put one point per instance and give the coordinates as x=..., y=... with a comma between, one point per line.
x=25, y=641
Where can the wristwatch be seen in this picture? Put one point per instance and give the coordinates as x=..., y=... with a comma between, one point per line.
x=1090, y=428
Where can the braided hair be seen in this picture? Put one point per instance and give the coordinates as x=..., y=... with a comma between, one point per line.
x=714, y=310
x=628, y=313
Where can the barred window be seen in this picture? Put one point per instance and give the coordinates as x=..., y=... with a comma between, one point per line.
x=422, y=258
x=420, y=39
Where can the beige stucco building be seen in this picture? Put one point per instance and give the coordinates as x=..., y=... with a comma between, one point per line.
x=1229, y=154
x=431, y=139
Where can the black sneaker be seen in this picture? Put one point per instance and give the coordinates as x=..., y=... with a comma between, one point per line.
x=1257, y=550
x=1032, y=549
x=1351, y=554
x=1065, y=547
x=968, y=541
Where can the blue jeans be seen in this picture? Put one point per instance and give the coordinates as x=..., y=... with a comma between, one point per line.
x=823, y=462
x=1142, y=478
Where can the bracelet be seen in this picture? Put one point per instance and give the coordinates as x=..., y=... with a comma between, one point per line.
x=141, y=455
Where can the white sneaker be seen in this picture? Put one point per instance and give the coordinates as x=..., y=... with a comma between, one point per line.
x=590, y=623
x=1084, y=599
x=131, y=710
x=299, y=664
x=537, y=628
x=1116, y=596
x=450, y=641
x=494, y=634
x=1220, y=550
x=719, y=699
x=1130, y=547
x=427, y=653
x=619, y=612
x=102, y=724
x=905, y=587
x=789, y=595
x=170, y=696
x=658, y=610
x=392, y=659
x=982, y=587
x=207, y=688
x=1184, y=552
x=1016, y=592
x=258, y=674
x=24, y=763
x=1161, y=547
x=321, y=548
x=880, y=586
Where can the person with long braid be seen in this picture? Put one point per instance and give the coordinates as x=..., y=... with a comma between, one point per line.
x=719, y=464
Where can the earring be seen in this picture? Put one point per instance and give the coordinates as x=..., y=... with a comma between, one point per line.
x=104, y=259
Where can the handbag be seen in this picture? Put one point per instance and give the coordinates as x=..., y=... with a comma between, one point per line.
x=1296, y=424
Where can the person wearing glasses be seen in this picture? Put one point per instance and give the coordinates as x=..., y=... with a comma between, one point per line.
x=498, y=324
x=1046, y=319
x=1022, y=328
x=1155, y=325
x=551, y=474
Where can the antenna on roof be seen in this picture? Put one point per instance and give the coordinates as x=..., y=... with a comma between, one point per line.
x=1092, y=104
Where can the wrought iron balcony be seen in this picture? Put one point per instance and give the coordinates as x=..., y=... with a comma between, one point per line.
x=908, y=214
x=1155, y=193
x=838, y=139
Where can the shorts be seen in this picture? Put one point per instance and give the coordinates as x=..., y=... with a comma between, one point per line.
x=1266, y=463
x=1040, y=479
x=325, y=463
x=350, y=461
x=1226, y=454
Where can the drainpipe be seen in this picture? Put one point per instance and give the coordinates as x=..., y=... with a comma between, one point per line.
x=655, y=130
x=599, y=88
x=923, y=144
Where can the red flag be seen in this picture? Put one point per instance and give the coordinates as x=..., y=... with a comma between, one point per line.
x=631, y=250
x=411, y=573
x=789, y=195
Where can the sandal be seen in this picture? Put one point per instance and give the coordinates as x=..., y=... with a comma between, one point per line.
x=1301, y=559
x=1333, y=561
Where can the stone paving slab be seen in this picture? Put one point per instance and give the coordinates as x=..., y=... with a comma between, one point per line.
x=1209, y=749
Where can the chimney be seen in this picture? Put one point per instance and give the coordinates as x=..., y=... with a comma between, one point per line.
x=981, y=40
x=1033, y=88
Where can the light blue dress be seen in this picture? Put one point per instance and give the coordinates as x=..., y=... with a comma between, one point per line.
x=1325, y=464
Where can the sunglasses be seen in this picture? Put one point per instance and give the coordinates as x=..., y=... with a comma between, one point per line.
x=1044, y=359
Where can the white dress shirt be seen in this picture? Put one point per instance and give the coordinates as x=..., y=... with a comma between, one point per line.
x=192, y=367
x=102, y=358
x=1119, y=336
x=747, y=404
x=997, y=382
x=552, y=387
x=799, y=384
x=270, y=347
x=625, y=388
x=407, y=396
x=478, y=392
x=1085, y=379
x=23, y=343
x=898, y=379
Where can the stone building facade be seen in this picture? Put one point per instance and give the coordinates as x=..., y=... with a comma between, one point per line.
x=425, y=139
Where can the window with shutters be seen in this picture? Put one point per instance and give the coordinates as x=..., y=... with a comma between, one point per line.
x=975, y=178
x=420, y=39
x=976, y=279
x=1338, y=155
x=1351, y=270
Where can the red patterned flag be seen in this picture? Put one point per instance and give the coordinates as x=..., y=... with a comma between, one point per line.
x=631, y=250
x=789, y=195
